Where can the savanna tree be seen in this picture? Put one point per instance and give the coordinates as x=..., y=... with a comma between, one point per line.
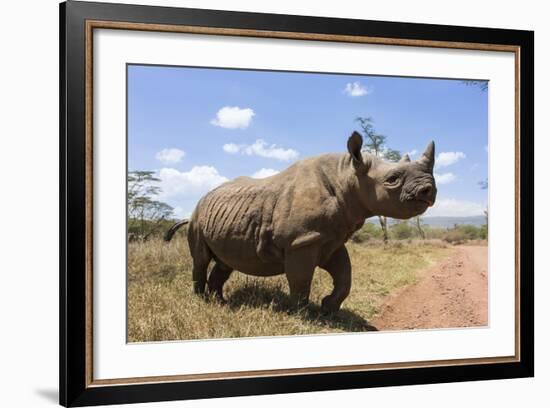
x=145, y=213
x=484, y=185
x=482, y=85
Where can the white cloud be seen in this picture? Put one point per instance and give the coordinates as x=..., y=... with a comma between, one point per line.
x=231, y=148
x=195, y=182
x=170, y=156
x=444, y=178
x=233, y=117
x=263, y=149
x=445, y=159
x=412, y=153
x=355, y=89
x=181, y=213
x=263, y=173
x=449, y=207
x=183, y=189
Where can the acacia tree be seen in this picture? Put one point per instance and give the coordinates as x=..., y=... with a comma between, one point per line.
x=419, y=227
x=482, y=85
x=484, y=185
x=144, y=212
x=375, y=144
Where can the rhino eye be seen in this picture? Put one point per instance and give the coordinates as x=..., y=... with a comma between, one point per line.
x=392, y=180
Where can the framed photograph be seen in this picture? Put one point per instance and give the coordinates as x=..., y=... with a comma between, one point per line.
x=256, y=204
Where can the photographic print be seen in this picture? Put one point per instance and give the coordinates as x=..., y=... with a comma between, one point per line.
x=342, y=193
x=271, y=203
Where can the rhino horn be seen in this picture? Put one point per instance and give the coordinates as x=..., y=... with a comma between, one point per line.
x=428, y=157
x=405, y=158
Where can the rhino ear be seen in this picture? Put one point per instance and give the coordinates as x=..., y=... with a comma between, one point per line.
x=428, y=157
x=355, y=142
x=405, y=158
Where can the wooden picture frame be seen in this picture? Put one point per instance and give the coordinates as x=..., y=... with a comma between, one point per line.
x=78, y=20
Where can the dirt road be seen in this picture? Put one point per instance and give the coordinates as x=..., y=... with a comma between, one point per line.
x=452, y=293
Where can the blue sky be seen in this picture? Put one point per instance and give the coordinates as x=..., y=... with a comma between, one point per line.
x=198, y=127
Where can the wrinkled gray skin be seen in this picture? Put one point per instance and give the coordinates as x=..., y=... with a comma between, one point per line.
x=301, y=218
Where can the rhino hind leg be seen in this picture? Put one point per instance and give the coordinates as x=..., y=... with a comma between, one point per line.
x=202, y=256
x=339, y=268
x=300, y=264
x=218, y=276
x=199, y=277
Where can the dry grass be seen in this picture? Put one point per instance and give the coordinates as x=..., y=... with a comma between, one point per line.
x=161, y=305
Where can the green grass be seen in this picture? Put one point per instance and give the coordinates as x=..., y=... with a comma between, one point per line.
x=161, y=305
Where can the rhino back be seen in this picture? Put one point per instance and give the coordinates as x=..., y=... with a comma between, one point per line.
x=235, y=219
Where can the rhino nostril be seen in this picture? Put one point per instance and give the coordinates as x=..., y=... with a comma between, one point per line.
x=425, y=192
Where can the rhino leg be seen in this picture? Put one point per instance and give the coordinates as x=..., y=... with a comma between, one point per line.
x=199, y=277
x=300, y=264
x=201, y=259
x=339, y=268
x=217, y=278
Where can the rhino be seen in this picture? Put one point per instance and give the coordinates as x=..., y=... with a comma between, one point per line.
x=299, y=219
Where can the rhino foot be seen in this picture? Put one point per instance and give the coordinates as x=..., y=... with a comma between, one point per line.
x=339, y=268
x=330, y=305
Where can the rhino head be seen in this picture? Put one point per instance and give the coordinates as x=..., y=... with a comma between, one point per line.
x=398, y=190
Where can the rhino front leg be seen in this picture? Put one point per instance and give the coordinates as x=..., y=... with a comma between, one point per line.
x=339, y=267
x=300, y=264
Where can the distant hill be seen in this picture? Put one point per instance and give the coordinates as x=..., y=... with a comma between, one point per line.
x=446, y=222
x=442, y=222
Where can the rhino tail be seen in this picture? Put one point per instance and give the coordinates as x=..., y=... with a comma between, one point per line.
x=172, y=230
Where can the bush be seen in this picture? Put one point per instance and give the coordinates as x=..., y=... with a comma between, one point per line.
x=434, y=232
x=402, y=230
x=461, y=233
x=368, y=231
x=151, y=229
x=454, y=237
x=483, y=232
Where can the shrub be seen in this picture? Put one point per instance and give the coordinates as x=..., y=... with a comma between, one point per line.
x=152, y=229
x=454, y=236
x=434, y=232
x=483, y=232
x=368, y=231
x=461, y=233
x=402, y=230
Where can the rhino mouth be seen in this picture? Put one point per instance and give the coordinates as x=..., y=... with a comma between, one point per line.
x=425, y=200
x=420, y=203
